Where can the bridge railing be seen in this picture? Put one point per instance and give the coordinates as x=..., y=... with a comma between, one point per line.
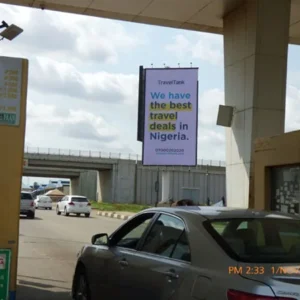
x=103, y=154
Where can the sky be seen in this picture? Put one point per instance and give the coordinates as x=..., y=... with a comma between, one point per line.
x=83, y=79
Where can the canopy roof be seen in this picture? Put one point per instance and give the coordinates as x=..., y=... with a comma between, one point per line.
x=201, y=15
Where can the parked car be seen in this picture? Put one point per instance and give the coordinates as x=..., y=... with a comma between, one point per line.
x=43, y=201
x=72, y=204
x=27, y=206
x=185, y=253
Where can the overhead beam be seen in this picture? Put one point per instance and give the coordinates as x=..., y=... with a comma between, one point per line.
x=210, y=20
x=50, y=172
x=62, y=164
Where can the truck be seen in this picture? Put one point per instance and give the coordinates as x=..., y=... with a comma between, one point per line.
x=27, y=206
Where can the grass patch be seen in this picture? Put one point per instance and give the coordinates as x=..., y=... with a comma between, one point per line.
x=134, y=208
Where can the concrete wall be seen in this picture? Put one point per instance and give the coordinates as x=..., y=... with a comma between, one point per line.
x=130, y=182
x=212, y=185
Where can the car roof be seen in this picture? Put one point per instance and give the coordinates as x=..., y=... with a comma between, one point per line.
x=77, y=196
x=26, y=192
x=211, y=212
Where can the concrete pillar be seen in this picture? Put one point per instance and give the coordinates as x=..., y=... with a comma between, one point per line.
x=88, y=184
x=75, y=186
x=104, y=186
x=165, y=186
x=256, y=47
x=124, y=181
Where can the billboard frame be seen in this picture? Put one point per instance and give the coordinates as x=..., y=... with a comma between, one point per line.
x=144, y=113
x=141, y=105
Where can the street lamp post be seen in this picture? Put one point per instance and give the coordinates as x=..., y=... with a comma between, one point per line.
x=207, y=186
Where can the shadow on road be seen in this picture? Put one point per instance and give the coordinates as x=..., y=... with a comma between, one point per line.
x=25, y=218
x=27, y=290
x=79, y=217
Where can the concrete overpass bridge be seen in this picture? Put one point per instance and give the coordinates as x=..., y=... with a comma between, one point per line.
x=122, y=178
x=95, y=174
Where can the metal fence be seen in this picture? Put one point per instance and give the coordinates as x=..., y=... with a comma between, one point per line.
x=103, y=154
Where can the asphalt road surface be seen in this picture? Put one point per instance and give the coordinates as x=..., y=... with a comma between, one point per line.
x=48, y=249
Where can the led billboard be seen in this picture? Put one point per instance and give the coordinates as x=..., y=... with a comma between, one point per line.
x=171, y=117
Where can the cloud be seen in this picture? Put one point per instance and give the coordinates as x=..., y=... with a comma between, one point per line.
x=54, y=77
x=211, y=138
x=58, y=35
x=82, y=90
x=203, y=46
x=73, y=126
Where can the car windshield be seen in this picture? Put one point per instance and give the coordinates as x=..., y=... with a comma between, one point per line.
x=264, y=240
x=79, y=199
x=26, y=196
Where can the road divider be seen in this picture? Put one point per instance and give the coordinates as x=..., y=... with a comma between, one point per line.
x=115, y=215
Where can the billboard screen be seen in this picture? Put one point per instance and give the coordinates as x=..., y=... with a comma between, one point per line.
x=171, y=117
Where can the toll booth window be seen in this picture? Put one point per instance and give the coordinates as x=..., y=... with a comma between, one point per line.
x=285, y=189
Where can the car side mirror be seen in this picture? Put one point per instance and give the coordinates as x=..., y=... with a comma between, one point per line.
x=100, y=239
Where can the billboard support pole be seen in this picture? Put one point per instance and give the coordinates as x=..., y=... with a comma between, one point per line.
x=141, y=106
x=157, y=187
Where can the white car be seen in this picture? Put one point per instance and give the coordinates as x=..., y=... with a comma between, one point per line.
x=43, y=201
x=72, y=204
x=27, y=205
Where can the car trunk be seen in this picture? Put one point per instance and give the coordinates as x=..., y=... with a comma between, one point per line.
x=45, y=200
x=26, y=201
x=80, y=204
x=284, y=279
x=26, y=204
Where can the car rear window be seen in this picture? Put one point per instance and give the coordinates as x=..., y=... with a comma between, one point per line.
x=79, y=199
x=266, y=240
x=26, y=196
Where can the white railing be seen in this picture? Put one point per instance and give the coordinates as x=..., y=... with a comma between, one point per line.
x=103, y=154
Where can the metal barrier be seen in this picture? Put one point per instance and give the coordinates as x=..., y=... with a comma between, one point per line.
x=103, y=154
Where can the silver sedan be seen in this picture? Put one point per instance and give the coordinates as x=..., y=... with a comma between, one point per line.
x=188, y=253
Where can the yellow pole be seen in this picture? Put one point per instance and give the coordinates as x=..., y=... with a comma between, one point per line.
x=13, y=94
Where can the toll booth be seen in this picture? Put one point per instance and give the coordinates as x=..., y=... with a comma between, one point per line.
x=277, y=173
x=13, y=93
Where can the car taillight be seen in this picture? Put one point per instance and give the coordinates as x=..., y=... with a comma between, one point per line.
x=89, y=204
x=71, y=203
x=237, y=295
x=32, y=203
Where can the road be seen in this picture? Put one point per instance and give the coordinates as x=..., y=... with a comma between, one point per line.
x=48, y=249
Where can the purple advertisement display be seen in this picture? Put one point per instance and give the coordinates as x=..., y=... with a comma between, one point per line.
x=171, y=117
